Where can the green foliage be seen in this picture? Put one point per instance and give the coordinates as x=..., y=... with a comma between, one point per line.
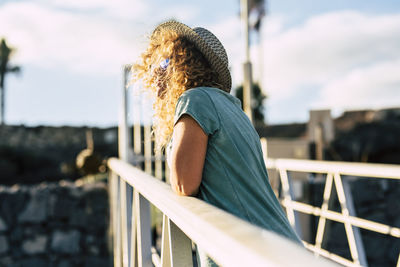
x=5, y=55
x=257, y=104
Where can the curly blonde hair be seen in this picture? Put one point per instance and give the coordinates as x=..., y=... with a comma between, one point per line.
x=187, y=69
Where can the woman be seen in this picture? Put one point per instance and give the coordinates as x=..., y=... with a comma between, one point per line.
x=214, y=151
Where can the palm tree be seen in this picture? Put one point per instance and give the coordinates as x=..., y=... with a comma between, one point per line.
x=257, y=10
x=5, y=55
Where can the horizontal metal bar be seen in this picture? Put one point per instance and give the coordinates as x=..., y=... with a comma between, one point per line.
x=338, y=217
x=141, y=158
x=347, y=168
x=214, y=229
x=330, y=255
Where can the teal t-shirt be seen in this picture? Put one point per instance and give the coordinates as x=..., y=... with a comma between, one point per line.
x=234, y=178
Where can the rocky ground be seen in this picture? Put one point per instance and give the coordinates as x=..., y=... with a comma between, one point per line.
x=54, y=224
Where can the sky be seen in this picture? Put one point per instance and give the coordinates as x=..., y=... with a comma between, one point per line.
x=339, y=55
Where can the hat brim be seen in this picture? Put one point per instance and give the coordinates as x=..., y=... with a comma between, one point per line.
x=224, y=75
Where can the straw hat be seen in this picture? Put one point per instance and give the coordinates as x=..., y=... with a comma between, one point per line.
x=209, y=46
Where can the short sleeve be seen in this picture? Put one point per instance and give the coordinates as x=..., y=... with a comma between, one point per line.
x=198, y=104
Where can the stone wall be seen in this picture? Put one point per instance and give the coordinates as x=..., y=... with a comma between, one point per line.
x=54, y=224
x=43, y=153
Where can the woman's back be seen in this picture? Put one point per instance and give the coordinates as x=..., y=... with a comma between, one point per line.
x=234, y=176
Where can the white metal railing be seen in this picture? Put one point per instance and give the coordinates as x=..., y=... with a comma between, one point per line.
x=337, y=175
x=229, y=240
x=129, y=214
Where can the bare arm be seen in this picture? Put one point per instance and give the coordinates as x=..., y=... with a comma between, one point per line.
x=188, y=153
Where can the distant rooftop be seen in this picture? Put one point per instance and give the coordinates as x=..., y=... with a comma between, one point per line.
x=345, y=122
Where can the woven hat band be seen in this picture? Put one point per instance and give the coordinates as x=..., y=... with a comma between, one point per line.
x=214, y=43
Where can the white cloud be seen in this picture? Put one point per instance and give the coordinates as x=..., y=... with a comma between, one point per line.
x=376, y=86
x=229, y=32
x=71, y=34
x=58, y=38
x=117, y=8
x=348, y=59
x=326, y=47
x=339, y=53
x=183, y=13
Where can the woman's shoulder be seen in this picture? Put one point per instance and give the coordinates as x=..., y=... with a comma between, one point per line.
x=196, y=96
x=198, y=103
x=212, y=95
x=199, y=93
x=201, y=90
x=205, y=92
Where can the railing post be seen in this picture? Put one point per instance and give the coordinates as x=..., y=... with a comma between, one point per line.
x=133, y=258
x=176, y=246
x=116, y=223
x=272, y=175
x=112, y=187
x=165, y=243
x=297, y=221
x=158, y=165
x=143, y=226
x=352, y=212
x=124, y=148
x=181, y=247
x=347, y=225
x=167, y=179
x=287, y=197
x=147, y=149
x=124, y=222
x=325, y=205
